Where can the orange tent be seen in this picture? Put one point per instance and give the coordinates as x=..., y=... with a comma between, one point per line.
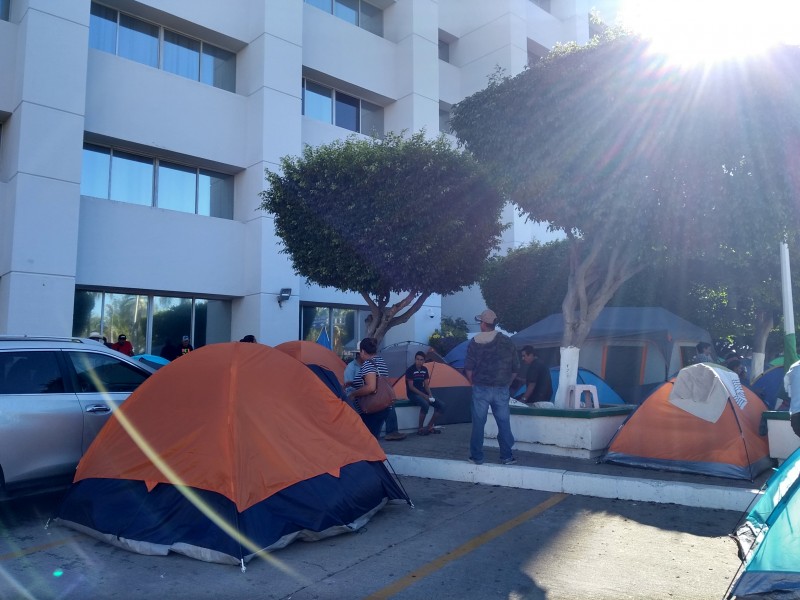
x=241, y=424
x=702, y=421
x=312, y=353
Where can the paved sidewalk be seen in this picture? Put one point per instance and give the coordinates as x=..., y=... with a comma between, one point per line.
x=445, y=457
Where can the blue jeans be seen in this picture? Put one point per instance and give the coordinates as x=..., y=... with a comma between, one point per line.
x=391, y=420
x=374, y=422
x=482, y=398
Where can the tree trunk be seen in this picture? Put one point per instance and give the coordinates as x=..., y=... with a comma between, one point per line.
x=385, y=317
x=595, y=275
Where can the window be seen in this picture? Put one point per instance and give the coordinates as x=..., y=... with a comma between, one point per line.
x=347, y=112
x=205, y=321
x=218, y=67
x=358, y=12
x=102, y=373
x=5, y=9
x=132, y=179
x=103, y=29
x=118, y=175
x=344, y=326
x=444, y=51
x=177, y=187
x=30, y=373
x=181, y=55
x=118, y=33
x=332, y=106
x=317, y=102
x=138, y=40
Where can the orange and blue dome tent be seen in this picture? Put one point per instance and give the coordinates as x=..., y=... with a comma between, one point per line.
x=312, y=353
x=701, y=421
x=230, y=451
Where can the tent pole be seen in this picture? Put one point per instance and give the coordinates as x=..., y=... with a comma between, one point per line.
x=789, y=341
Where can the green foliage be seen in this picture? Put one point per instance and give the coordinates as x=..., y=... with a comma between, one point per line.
x=404, y=215
x=636, y=159
x=527, y=284
x=451, y=334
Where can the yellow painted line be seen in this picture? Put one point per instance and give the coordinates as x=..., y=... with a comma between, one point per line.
x=435, y=565
x=35, y=549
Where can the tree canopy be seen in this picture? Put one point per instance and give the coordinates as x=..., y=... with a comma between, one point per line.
x=402, y=215
x=633, y=157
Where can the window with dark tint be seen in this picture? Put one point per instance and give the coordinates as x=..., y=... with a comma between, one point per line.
x=103, y=29
x=347, y=112
x=102, y=373
x=30, y=372
x=218, y=68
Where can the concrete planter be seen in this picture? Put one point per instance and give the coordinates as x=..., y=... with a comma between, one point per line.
x=782, y=440
x=578, y=433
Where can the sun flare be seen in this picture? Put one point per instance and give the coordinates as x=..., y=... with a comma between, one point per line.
x=707, y=31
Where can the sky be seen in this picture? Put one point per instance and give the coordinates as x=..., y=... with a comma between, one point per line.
x=707, y=30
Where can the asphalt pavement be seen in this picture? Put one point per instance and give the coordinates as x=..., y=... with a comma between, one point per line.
x=461, y=541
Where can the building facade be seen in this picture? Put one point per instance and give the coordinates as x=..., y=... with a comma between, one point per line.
x=134, y=137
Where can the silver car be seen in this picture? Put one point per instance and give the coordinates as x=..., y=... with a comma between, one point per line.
x=55, y=396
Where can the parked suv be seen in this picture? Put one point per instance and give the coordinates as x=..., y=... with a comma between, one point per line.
x=55, y=396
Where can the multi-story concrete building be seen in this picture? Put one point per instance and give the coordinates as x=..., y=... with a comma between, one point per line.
x=134, y=136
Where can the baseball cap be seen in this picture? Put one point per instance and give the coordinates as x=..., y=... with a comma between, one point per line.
x=94, y=334
x=122, y=336
x=487, y=317
x=186, y=338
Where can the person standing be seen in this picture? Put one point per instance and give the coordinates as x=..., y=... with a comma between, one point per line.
x=123, y=345
x=366, y=383
x=491, y=365
x=418, y=389
x=538, y=386
x=185, y=346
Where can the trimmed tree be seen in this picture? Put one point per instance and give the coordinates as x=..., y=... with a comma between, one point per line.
x=633, y=158
x=408, y=217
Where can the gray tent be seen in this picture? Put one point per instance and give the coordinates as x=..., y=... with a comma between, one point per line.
x=631, y=348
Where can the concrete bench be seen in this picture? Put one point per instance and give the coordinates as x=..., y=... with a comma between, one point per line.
x=579, y=433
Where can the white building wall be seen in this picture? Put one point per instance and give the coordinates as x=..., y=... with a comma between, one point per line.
x=56, y=93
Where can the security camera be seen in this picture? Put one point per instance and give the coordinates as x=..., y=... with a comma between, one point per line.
x=430, y=316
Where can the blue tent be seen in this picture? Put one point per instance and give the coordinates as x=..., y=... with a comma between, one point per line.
x=456, y=357
x=768, y=385
x=768, y=542
x=323, y=339
x=605, y=395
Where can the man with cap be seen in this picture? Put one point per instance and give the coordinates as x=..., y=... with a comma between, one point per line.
x=123, y=345
x=185, y=346
x=96, y=337
x=491, y=365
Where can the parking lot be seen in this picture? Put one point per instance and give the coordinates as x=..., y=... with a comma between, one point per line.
x=460, y=541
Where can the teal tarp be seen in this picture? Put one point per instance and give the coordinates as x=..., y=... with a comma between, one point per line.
x=768, y=538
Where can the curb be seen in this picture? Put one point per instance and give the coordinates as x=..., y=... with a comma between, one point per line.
x=583, y=484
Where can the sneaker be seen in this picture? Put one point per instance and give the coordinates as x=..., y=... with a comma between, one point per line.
x=509, y=461
x=517, y=403
x=475, y=462
x=395, y=436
